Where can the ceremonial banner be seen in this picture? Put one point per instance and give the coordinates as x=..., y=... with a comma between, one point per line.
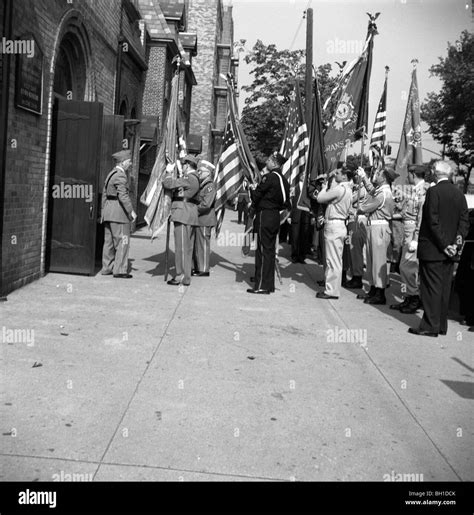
x=155, y=196
x=409, y=151
x=350, y=118
x=315, y=163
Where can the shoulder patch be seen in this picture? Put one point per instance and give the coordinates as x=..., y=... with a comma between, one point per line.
x=209, y=189
x=264, y=178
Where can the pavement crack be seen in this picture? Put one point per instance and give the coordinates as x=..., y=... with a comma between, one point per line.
x=164, y=333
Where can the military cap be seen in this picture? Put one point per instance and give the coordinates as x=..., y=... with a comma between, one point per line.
x=206, y=166
x=123, y=155
x=417, y=169
x=278, y=158
x=390, y=173
x=189, y=158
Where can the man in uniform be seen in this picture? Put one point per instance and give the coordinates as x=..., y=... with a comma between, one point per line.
x=338, y=198
x=184, y=215
x=268, y=198
x=412, y=206
x=243, y=201
x=207, y=219
x=379, y=209
x=357, y=230
x=116, y=214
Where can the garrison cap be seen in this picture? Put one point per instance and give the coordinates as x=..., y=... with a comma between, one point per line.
x=390, y=173
x=189, y=158
x=121, y=156
x=278, y=158
x=206, y=166
x=418, y=169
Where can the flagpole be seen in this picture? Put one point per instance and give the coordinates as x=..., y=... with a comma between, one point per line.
x=168, y=223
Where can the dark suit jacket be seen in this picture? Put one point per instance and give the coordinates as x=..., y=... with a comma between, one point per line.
x=445, y=219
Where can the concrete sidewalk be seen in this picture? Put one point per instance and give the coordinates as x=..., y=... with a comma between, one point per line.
x=137, y=380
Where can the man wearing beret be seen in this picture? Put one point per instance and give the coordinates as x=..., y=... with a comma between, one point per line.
x=184, y=215
x=116, y=214
x=379, y=210
x=268, y=198
x=207, y=219
x=412, y=206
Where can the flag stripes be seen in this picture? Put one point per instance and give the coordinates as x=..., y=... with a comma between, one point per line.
x=377, y=140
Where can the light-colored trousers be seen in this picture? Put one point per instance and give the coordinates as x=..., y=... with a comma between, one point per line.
x=335, y=233
x=183, y=251
x=116, y=248
x=378, y=241
x=202, y=248
x=409, y=265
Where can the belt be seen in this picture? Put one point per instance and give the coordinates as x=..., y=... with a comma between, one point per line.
x=409, y=222
x=188, y=200
x=111, y=197
x=339, y=220
x=377, y=222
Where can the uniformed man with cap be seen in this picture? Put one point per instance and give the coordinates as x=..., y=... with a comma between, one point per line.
x=270, y=196
x=379, y=210
x=207, y=218
x=184, y=215
x=116, y=214
x=338, y=198
x=412, y=207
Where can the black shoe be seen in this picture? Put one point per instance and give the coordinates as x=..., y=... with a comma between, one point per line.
x=443, y=333
x=202, y=274
x=195, y=272
x=367, y=295
x=322, y=295
x=470, y=330
x=377, y=299
x=259, y=292
x=173, y=282
x=403, y=304
x=419, y=332
x=412, y=306
x=123, y=276
x=355, y=283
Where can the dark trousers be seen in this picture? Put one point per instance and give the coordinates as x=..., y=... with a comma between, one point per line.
x=267, y=227
x=435, y=289
x=299, y=234
x=242, y=212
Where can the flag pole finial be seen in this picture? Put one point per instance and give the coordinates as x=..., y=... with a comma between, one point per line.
x=414, y=62
x=387, y=69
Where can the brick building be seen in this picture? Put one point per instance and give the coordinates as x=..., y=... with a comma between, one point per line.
x=58, y=109
x=212, y=22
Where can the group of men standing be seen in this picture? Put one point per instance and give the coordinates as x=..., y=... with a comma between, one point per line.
x=359, y=210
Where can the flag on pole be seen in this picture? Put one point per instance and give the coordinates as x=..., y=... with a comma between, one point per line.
x=377, y=140
x=294, y=147
x=235, y=162
x=349, y=121
x=315, y=163
x=409, y=151
x=155, y=197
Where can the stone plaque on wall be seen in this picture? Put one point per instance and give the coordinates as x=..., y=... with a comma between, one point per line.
x=29, y=76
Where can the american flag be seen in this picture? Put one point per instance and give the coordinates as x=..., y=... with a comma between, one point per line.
x=228, y=175
x=235, y=161
x=295, y=144
x=377, y=141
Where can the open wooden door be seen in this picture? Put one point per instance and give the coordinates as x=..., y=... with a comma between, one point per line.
x=74, y=186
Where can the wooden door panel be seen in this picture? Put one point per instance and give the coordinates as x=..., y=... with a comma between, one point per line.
x=74, y=187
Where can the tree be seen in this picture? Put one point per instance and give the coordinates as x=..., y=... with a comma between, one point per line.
x=450, y=113
x=266, y=108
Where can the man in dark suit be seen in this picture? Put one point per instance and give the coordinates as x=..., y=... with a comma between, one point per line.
x=268, y=198
x=444, y=225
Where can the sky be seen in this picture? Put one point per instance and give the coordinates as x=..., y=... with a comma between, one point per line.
x=408, y=29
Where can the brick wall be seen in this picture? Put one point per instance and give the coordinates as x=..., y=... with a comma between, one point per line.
x=29, y=135
x=204, y=19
